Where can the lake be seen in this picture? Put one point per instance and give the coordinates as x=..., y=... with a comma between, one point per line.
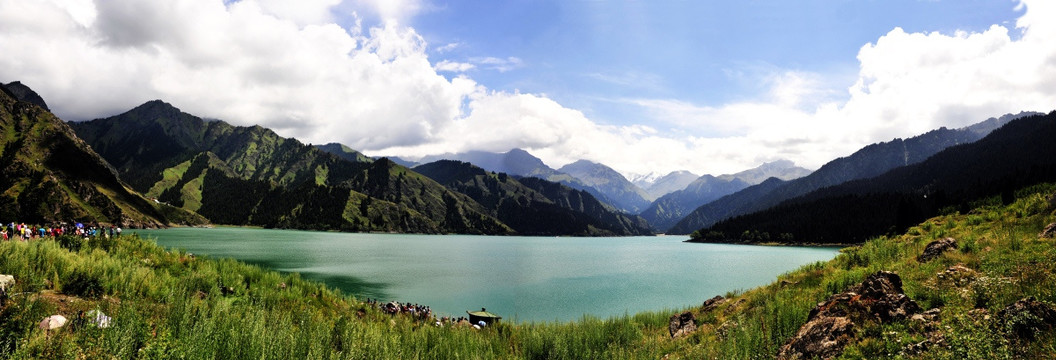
x=519, y=278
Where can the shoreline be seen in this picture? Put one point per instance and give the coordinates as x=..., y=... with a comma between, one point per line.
x=776, y=244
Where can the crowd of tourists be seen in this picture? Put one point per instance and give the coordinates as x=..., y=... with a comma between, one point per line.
x=420, y=312
x=21, y=231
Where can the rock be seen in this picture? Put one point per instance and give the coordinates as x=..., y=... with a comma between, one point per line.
x=936, y=248
x=1027, y=317
x=712, y=303
x=1049, y=232
x=934, y=339
x=958, y=275
x=882, y=297
x=682, y=324
x=6, y=282
x=786, y=283
x=733, y=307
x=832, y=323
x=52, y=322
x=823, y=338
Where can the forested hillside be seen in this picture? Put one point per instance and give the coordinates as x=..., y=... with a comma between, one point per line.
x=252, y=176
x=49, y=176
x=529, y=211
x=1019, y=154
x=870, y=161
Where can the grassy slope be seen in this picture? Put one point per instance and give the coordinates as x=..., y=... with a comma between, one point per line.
x=169, y=304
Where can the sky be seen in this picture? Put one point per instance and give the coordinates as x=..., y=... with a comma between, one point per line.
x=644, y=87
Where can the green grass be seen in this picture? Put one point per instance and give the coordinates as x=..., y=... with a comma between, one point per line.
x=168, y=304
x=169, y=178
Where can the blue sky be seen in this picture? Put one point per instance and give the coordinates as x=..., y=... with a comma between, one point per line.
x=642, y=86
x=582, y=53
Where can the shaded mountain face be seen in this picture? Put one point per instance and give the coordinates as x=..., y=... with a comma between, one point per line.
x=515, y=162
x=251, y=176
x=1017, y=155
x=529, y=211
x=49, y=175
x=23, y=93
x=666, y=211
x=673, y=181
x=669, y=209
x=867, y=162
x=520, y=163
x=347, y=153
x=624, y=195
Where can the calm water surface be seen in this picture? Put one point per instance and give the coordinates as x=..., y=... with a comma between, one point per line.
x=520, y=278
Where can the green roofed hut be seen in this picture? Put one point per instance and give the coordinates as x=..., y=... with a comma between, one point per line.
x=475, y=317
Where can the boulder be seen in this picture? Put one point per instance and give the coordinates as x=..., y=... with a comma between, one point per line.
x=6, y=282
x=733, y=307
x=936, y=248
x=682, y=324
x=711, y=304
x=832, y=323
x=1049, y=232
x=1027, y=317
x=882, y=298
x=52, y=322
x=823, y=337
x=958, y=275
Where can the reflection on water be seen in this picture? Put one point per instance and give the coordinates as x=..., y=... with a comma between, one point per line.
x=523, y=278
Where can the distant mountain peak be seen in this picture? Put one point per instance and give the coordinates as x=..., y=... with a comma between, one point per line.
x=21, y=92
x=781, y=169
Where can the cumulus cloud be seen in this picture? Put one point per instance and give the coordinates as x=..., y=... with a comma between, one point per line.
x=377, y=90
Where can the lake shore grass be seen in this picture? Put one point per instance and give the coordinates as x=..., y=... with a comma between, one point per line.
x=170, y=304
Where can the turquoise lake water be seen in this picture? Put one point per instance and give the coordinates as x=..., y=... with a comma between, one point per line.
x=519, y=278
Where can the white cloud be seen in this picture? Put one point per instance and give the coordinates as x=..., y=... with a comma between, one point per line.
x=449, y=47
x=394, y=10
x=499, y=64
x=302, y=12
x=252, y=62
x=451, y=66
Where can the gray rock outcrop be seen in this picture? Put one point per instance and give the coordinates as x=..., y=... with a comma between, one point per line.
x=682, y=324
x=936, y=248
x=832, y=324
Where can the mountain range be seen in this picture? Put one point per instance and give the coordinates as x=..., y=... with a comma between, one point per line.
x=50, y=176
x=536, y=206
x=251, y=176
x=957, y=178
x=666, y=211
x=606, y=184
x=867, y=162
x=657, y=186
x=156, y=165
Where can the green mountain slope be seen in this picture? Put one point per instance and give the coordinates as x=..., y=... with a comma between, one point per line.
x=346, y=152
x=1019, y=154
x=251, y=176
x=527, y=210
x=518, y=162
x=49, y=175
x=867, y=162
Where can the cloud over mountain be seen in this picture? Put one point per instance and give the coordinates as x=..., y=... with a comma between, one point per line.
x=292, y=68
